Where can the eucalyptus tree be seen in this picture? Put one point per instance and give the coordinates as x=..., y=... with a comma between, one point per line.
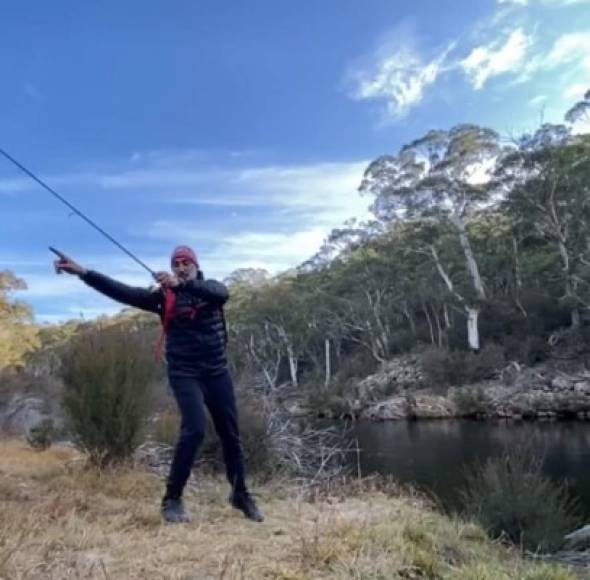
x=547, y=186
x=440, y=177
x=18, y=333
x=580, y=111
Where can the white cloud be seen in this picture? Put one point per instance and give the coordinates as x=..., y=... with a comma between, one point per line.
x=537, y=100
x=497, y=58
x=545, y=2
x=13, y=185
x=575, y=91
x=569, y=48
x=302, y=204
x=570, y=53
x=64, y=286
x=288, y=210
x=325, y=192
x=273, y=251
x=398, y=75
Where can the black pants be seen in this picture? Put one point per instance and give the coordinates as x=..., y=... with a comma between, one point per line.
x=192, y=394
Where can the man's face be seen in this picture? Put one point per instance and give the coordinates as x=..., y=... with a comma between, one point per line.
x=184, y=269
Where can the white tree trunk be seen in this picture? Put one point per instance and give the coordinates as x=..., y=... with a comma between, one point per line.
x=575, y=318
x=430, y=328
x=472, y=327
x=472, y=311
x=470, y=258
x=439, y=330
x=292, y=365
x=328, y=363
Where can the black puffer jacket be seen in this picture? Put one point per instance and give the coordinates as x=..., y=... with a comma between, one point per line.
x=196, y=338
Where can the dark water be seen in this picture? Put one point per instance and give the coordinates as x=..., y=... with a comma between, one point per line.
x=433, y=455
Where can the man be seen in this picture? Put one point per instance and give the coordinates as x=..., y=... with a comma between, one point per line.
x=190, y=308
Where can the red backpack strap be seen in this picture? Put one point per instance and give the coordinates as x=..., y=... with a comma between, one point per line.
x=169, y=302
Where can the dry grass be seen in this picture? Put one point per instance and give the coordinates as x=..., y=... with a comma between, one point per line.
x=60, y=520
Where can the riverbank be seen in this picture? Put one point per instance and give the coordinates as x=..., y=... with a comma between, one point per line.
x=59, y=519
x=401, y=390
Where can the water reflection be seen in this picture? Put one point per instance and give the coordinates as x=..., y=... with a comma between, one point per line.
x=434, y=454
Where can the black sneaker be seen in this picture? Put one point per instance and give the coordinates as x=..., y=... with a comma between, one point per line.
x=173, y=511
x=243, y=501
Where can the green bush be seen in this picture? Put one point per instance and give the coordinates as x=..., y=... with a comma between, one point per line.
x=529, y=349
x=41, y=435
x=485, y=364
x=456, y=367
x=166, y=425
x=470, y=401
x=354, y=365
x=333, y=400
x=443, y=367
x=256, y=442
x=511, y=497
x=107, y=378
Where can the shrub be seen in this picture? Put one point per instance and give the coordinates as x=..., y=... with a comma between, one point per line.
x=107, y=378
x=455, y=367
x=443, y=367
x=165, y=427
x=511, y=497
x=40, y=436
x=354, y=365
x=470, y=401
x=528, y=349
x=332, y=401
x=485, y=364
x=275, y=444
x=255, y=437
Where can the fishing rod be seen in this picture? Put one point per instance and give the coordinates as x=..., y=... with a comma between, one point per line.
x=76, y=211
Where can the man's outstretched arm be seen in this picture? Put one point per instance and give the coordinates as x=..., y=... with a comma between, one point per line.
x=130, y=295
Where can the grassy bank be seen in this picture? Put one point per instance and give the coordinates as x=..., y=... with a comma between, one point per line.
x=61, y=520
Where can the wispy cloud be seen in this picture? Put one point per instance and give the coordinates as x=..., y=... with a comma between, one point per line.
x=568, y=48
x=511, y=46
x=398, y=74
x=575, y=91
x=273, y=251
x=544, y=2
x=537, y=100
x=299, y=206
x=497, y=58
x=288, y=211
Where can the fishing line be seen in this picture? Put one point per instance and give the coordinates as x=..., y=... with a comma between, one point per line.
x=76, y=211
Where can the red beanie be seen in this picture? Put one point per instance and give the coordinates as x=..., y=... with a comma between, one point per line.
x=184, y=253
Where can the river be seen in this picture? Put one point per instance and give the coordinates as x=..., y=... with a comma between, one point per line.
x=433, y=455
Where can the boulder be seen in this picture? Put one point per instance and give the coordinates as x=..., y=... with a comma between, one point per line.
x=433, y=407
x=398, y=373
x=422, y=406
x=21, y=413
x=561, y=384
x=394, y=408
x=578, y=540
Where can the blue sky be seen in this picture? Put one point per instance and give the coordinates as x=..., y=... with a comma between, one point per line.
x=242, y=128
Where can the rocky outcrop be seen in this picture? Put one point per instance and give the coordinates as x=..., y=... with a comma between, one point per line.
x=401, y=373
x=552, y=390
x=552, y=396
x=22, y=412
x=391, y=409
x=575, y=552
x=419, y=406
x=578, y=539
